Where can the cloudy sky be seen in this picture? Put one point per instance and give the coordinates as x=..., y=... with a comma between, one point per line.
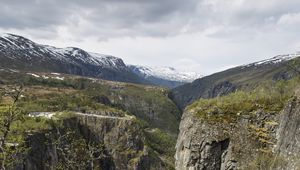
x=198, y=35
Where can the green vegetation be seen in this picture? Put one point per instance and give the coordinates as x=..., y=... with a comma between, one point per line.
x=161, y=142
x=150, y=105
x=11, y=142
x=74, y=151
x=267, y=161
x=31, y=124
x=51, y=82
x=40, y=124
x=53, y=102
x=242, y=78
x=269, y=97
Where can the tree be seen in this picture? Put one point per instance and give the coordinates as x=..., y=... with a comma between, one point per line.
x=75, y=152
x=11, y=143
x=96, y=152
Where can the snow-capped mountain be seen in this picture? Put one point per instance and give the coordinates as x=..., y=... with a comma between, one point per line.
x=166, y=76
x=10, y=43
x=274, y=60
x=281, y=67
x=17, y=52
x=167, y=73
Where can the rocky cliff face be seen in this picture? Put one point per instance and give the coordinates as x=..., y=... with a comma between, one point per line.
x=258, y=140
x=288, y=134
x=183, y=95
x=123, y=141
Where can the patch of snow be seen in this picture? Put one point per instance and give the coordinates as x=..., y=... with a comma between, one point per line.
x=59, y=78
x=45, y=77
x=58, y=74
x=8, y=38
x=14, y=71
x=34, y=75
x=48, y=115
x=105, y=60
x=274, y=60
x=10, y=144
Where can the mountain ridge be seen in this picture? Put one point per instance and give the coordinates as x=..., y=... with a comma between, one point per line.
x=246, y=76
x=18, y=52
x=168, y=73
x=166, y=76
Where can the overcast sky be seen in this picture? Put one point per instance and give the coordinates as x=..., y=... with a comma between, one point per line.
x=198, y=35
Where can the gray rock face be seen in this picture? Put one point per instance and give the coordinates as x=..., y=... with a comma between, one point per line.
x=123, y=141
x=222, y=89
x=199, y=147
x=284, y=75
x=205, y=143
x=118, y=136
x=288, y=134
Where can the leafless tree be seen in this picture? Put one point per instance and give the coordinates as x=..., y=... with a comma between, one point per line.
x=75, y=152
x=8, y=115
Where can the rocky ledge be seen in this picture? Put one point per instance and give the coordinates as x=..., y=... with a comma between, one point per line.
x=256, y=140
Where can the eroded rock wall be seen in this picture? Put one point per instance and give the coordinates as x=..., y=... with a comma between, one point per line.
x=123, y=140
x=260, y=138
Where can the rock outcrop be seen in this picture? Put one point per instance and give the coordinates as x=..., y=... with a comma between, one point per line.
x=256, y=140
x=122, y=138
x=288, y=134
x=202, y=145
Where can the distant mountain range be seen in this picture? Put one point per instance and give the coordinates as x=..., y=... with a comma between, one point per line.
x=166, y=76
x=281, y=67
x=17, y=52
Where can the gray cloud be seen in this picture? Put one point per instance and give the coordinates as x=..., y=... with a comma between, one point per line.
x=194, y=32
x=108, y=18
x=31, y=14
x=115, y=18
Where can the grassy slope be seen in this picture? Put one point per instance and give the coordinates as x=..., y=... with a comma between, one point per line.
x=227, y=111
x=151, y=105
x=269, y=97
x=242, y=78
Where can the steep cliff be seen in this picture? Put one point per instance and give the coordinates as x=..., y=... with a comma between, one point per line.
x=288, y=134
x=258, y=138
x=124, y=145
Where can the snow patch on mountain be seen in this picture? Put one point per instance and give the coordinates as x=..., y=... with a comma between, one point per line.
x=15, y=43
x=166, y=73
x=34, y=75
x=19, y=48
x=274, y=60
x=107, y=60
